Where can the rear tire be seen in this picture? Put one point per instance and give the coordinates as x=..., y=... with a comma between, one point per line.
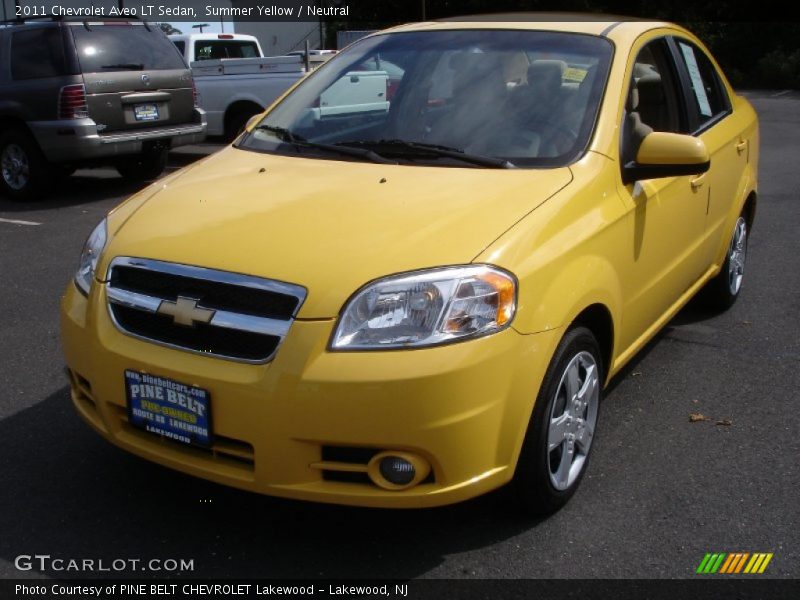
x=555, y=453
x=144, y=167
x=722, y=292
x=23, y=168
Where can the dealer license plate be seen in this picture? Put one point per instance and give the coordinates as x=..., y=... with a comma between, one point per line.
x=169, y=408
x=145, y=112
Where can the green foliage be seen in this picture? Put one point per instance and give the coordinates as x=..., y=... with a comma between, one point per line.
x=169, y=29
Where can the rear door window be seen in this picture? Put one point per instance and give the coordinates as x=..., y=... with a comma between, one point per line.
x=37, y=53
x=708, y=100
x=214, y=49
x=124, y=46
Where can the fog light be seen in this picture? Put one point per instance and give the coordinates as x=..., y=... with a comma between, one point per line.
x=397, y=470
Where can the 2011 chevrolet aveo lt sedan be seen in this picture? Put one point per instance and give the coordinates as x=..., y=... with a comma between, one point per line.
x=409, y=281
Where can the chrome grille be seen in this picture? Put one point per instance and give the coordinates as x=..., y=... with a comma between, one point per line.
x=238, y=317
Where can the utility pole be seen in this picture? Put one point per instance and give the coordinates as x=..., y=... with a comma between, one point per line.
x=423, y=10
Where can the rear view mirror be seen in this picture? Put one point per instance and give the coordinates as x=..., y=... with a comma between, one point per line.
x=664, y=154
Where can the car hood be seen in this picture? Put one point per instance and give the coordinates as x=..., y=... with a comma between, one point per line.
x=330, y=226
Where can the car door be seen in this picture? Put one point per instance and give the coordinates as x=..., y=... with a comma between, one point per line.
x=711, y=119
x=666, y=216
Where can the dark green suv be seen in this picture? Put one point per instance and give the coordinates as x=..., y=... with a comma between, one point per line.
x=89, y=93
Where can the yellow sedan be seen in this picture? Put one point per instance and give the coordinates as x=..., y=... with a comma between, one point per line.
x=409, y=281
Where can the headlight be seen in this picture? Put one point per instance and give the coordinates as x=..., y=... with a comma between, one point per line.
x=89, y=256
x=425, y=308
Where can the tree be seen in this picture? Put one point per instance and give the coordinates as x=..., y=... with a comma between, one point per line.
x=169, y=29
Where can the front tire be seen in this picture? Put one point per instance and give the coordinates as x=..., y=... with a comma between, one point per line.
x=723, y=291
x=555, y=453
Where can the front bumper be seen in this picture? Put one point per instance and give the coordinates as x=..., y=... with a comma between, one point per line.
x=464, y=407
x=78, y=140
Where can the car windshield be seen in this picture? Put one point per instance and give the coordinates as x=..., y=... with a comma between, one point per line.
x=481, y=98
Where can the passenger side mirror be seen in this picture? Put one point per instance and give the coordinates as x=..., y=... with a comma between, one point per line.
x=664, y=154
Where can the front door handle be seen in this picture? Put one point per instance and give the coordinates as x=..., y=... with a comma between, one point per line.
x=741, y=146
x=698, y=182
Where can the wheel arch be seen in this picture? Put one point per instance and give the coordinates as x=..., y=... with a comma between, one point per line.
x=243, y=105
x=749, y=209
x=597, y=318
x=9, y=122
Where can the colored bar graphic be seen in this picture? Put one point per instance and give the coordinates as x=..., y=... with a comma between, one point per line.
x=703, y=563
x=740, y=566
x=751, y=564
x=727, y=564
x=764, y=564
x=734, y=563
x=718, y=563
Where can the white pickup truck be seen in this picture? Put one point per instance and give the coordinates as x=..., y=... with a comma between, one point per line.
x=234, y=81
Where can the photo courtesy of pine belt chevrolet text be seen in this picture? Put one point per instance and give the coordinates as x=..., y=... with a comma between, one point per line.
x=408, y=281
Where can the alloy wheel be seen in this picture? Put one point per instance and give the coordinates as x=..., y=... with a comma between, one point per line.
x=573, y=418
x=736, y=256
x=15, y=167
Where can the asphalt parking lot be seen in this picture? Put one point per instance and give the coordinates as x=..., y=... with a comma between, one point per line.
x=661, y=491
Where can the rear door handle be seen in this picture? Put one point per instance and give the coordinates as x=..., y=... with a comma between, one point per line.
x=741, y=146
x=698, y=182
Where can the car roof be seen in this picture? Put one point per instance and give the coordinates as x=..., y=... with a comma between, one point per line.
x=611, y=26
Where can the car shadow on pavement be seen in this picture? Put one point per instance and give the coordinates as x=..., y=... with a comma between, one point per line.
x=72, y=495
x=82, y=188
x=694, y=313
x=89, y=185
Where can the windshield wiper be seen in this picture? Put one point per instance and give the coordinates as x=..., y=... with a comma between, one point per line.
x=432, y=149
x=285, y=135
x=128, y=66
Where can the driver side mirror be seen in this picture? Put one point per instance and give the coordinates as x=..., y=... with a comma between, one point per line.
x=664, y=154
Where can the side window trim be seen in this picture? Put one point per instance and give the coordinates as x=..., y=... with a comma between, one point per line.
x=695, y=126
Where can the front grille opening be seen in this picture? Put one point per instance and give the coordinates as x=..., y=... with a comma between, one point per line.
x=345, y=454
x=212, y=294
x=200, y=338
x=82, y=388
x=83, y=382
x=346, y=477
x=224, y=449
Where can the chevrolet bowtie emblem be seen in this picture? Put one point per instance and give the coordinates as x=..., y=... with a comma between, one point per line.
x=185, y=311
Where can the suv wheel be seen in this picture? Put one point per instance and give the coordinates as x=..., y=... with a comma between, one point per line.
x=147, y=165
x=22, y=166
x=555, y=453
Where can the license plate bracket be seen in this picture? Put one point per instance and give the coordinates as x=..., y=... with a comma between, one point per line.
x=145, y=112
x=169, y=408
